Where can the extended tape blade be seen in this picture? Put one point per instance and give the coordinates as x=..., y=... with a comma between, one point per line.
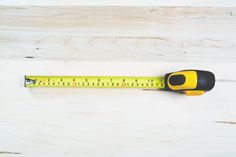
x=95, y=81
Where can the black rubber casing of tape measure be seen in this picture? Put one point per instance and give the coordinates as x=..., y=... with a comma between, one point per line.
x=204, y=80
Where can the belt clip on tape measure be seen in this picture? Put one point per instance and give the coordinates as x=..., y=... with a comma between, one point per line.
x=190, y=82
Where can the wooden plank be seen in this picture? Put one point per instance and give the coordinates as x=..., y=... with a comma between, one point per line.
x=118, y=33
x=114, y=122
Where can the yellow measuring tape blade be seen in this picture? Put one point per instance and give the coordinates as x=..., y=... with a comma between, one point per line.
x=95, y=82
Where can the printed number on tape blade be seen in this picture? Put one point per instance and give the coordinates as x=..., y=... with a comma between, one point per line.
x=190, y=82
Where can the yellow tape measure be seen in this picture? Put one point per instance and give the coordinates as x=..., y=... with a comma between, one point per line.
x=94, y=81
x=191, y=82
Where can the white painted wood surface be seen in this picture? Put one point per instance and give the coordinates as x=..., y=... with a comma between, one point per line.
x=116, y=122
x=118, y=33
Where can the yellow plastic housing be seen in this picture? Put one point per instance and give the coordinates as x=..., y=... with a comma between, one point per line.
x=190, y=80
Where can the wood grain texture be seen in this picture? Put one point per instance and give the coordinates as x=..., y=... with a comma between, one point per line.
x=114, y=122
x=73, y=40
x=118, y=33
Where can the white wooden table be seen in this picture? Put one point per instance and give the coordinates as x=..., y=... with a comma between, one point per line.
x=151, y=41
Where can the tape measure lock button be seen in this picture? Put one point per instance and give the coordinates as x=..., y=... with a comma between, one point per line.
x=175, y=80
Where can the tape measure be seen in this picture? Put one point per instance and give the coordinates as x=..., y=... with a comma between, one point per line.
x=190, y=82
